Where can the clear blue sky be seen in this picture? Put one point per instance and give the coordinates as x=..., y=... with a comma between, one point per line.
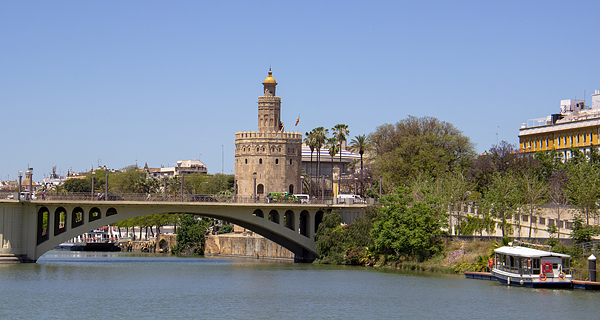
x=84, y=83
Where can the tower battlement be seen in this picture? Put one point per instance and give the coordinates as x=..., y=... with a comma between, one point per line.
x=268, y=135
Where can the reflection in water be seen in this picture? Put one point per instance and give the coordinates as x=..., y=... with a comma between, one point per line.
x=67, y=284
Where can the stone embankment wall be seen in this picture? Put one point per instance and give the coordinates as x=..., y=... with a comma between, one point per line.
x=245, y=244
x=162, y=244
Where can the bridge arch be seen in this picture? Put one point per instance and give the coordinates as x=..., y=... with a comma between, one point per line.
x=46, y=224
x=60, y=220
x=288, y=219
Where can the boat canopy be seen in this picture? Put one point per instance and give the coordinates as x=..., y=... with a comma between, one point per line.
x=528, y=252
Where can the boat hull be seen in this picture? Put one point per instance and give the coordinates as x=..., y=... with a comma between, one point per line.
x=531, y=282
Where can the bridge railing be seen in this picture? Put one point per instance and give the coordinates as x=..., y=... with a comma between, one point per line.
x=87, y=196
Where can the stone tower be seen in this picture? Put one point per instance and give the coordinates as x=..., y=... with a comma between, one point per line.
x=272, y=156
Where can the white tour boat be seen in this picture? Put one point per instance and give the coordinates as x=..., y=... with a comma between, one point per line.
x=522, y=266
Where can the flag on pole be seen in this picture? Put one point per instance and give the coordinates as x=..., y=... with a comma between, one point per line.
x=297, y=120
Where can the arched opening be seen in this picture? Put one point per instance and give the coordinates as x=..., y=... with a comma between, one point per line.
x=111, y=211
x=318, y=219
x=163, y=246
x=303, y=224
x=291, y=189
x=260, y=161
x=42, y=224
x=288, y=219
x=94, y=214
x=274, y=216
x=258, y=213
x=260, y=189
x=77, y=217
x=60, y=220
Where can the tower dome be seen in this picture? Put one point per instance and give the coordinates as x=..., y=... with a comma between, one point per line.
x=270, y=78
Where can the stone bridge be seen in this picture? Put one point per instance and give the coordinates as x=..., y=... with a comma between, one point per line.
x=28, y=229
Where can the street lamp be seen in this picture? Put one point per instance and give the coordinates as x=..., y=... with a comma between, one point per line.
x=19, y=191
x=93, y=175
x=301, y=184
x=355, y=185
x=106, y=184
x=254, y=176
x=181, y=186
x=30, y=173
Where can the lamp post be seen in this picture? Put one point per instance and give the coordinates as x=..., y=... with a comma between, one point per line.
x=19, y=191
x=165, y=186
x=301, y=184
x=254, y=177
x=235, y=188
x=93, y=175
x=322, y=189
x=30, y=174
x=182, y=186
x=106, y=184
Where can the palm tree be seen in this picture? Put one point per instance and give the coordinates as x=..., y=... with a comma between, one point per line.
x=334, y=148
x=360, y=144
x=339, y=132
x=320, y=139
x=311, y=143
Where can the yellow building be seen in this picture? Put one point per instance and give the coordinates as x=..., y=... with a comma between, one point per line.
x=576, y=126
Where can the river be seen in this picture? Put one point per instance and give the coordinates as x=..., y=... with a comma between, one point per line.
x=69, y=285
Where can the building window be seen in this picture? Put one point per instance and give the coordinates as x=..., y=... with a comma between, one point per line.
x=584, y=138
x=259, y=161
x=591, y=137
x=546, y=142
x=260, y=189
x=559, y=141
x=535, y=144
x=290, y=161
x=291, y=189
x=578, y=138
x=276, y=161
x=246, y=161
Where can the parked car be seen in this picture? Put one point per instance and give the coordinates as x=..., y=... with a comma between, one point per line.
x=111, y=197
x=350, y=199
x=203, y=198
x=304, y=198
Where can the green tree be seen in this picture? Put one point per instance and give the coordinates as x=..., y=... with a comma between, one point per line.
x=534, y=190
x=418, y=145
x=334, y=148
x=581, y=232
x=311, y=142
x=501, y=199
x=190, y=235
x=457, y=191
x=556, y=194
x=330, y=239
x=583, y=187
x=320, y=136
x=340, y=131
x=360, y=144
x=407, y=229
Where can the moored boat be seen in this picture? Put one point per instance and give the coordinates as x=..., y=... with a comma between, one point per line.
x=522, y=266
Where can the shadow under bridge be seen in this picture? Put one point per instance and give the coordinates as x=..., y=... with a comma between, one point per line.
x=290, y=225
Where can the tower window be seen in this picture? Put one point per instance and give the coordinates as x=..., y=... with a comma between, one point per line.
x=276, y=161
x=259, y=161
x=290, y=161
x=246, y=161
